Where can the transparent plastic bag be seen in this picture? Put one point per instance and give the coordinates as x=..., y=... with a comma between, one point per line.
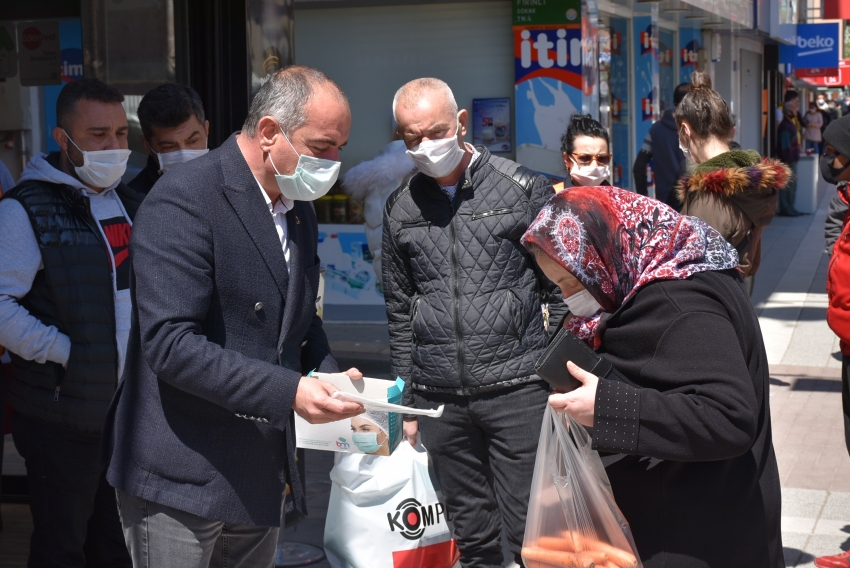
x=573, y=521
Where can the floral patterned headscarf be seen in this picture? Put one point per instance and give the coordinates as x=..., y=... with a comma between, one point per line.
x=615, y=242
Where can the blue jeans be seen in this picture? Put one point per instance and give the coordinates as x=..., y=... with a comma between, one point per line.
x=814, y=145
x=162, y=537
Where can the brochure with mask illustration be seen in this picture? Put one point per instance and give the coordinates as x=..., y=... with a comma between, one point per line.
x=374, y=432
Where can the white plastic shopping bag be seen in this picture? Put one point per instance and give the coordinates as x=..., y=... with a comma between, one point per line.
x=385, y=512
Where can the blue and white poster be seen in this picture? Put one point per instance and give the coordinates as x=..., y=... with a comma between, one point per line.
x=491, y=123
x=620, y=108
x=646, y=96
x=690, y=42
x=666, y=67
x=71, y=53
x=548, y=71
x=350, y=277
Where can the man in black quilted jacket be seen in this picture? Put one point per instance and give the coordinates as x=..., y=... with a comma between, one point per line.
x=466, y=326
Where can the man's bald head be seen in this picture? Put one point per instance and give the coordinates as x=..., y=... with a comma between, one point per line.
x=427, y=90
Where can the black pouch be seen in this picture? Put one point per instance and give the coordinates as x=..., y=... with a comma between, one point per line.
x=565, y=346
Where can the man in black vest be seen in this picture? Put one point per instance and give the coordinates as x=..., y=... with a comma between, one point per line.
x=65, y=317
x=174, y=131
x=224, y=283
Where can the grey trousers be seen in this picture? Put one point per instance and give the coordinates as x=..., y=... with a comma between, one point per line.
x=161, y=537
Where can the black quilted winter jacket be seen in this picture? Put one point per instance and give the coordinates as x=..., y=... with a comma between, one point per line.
x=463, y=296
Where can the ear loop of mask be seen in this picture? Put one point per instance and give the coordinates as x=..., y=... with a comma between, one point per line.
x=67, y=155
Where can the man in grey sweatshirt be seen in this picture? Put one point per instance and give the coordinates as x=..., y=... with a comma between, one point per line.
x=65, y=318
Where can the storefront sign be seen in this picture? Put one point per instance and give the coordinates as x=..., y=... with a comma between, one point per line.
x=39, y=52
x=542, y=12
x=71, y=69
x=491, y=123
x=840, y=79
x=816, y=46
x=8, y=52
x=690, y=41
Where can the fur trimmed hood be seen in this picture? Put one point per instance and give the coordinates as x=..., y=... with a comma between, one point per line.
x=765, y=177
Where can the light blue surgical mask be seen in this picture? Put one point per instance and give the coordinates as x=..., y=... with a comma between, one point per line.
x=366, y=442
x=313, y=177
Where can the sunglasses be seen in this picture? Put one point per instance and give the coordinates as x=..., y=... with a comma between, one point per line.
x=587, y=159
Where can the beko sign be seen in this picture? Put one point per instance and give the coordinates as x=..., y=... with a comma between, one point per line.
x=817, y=46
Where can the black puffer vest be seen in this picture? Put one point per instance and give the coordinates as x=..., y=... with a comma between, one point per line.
x=74, y=293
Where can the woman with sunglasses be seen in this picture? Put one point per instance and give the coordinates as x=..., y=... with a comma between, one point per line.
x=585, y=149
x=733, y=191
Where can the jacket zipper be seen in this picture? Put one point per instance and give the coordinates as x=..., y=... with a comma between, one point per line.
x=455, y=286
x=89, y=219
x=491, y=213
x=521, y=327
x=413, y=313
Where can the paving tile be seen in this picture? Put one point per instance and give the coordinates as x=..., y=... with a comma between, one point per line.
x=833, y=528
x=803, y=503
x=798, y=525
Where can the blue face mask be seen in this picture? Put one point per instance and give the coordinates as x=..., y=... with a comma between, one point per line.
x=366, y=442
x=313, y=177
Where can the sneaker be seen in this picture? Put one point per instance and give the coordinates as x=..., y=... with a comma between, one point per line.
x=838, y=561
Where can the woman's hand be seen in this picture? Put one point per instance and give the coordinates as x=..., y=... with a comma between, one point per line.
x=579, y=403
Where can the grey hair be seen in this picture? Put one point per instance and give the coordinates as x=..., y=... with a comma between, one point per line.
x=285, y=96
x=418, y=89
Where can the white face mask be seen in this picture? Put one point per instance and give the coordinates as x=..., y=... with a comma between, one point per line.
x=437, y=158
x=589, y=175
x=313, y=177
x=168, y=160
x=582, y=304
x=101, y=168
x=686, y=151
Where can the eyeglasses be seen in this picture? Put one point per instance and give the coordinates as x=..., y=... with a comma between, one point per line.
x=587, y=159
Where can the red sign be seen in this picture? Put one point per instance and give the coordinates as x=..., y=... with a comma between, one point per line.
x=31, y=38
x=841, y=79
x=836, y=10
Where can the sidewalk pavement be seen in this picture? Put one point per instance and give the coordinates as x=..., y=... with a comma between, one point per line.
x=790, y=299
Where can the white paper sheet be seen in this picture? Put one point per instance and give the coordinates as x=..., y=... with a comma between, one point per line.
x=378, y=406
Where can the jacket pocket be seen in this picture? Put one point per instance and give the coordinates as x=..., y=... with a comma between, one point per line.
x=416, y=223
x=491, y=212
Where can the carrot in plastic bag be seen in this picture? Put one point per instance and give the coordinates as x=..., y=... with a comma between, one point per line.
x=621, y=558
x=555, y=558
x=555, y=543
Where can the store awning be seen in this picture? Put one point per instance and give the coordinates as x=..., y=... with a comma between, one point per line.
x=817, y=78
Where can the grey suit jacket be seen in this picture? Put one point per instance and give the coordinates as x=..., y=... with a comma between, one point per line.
x=221, y=335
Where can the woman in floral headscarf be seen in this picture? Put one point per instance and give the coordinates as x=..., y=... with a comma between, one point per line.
x=659, y=295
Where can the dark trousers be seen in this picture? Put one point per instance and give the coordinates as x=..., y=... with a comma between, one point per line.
x=483, y=450
x=74, y=513
x=788, y=196
x=845, y=397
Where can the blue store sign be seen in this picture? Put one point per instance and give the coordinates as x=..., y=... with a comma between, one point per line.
x=817, y=46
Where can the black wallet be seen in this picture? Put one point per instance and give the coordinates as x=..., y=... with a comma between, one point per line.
x=565, y=346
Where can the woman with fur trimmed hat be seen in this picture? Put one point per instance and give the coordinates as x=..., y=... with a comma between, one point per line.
x=736, y=191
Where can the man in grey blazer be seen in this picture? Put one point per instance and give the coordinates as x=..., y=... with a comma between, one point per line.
x=224, y=328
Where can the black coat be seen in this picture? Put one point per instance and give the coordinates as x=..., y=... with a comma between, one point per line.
x=221, y=335
x=701, y=486
x=463, y=296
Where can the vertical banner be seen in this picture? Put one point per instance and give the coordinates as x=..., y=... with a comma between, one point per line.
x=666, y=67
x=71, y=57
x=620, y=107
x=590, y=59
x=548, y=74
x=645, y=81
x=491, y=123
x=690, y=42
